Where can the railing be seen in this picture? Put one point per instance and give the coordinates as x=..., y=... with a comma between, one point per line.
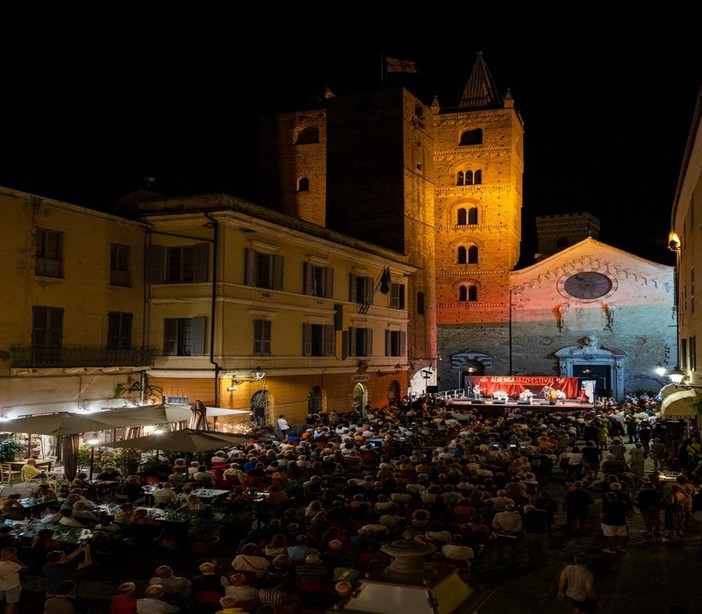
x=32, y=357
x=457, y=393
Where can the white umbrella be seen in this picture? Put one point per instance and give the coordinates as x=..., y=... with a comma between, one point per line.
x=184, y=440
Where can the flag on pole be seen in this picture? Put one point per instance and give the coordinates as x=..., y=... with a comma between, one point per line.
x=395, y=65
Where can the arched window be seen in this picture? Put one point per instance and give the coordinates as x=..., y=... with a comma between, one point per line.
x=473, y=255
x=478, y=177
x=307, y=135
x=473, y=216
x=462, y=255
x=459, y=178
x=303, y=184
x=469, y=177
x=468, y=293
x=461, y=217
x=471, y=137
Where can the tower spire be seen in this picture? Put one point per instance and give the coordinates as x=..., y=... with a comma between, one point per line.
x=481, y=90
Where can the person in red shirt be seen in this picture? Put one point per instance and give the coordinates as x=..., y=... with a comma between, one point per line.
x=124, y=602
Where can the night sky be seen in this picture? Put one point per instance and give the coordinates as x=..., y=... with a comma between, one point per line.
x=97, y=96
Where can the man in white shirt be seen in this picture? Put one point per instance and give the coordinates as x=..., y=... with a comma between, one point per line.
x=283, y=426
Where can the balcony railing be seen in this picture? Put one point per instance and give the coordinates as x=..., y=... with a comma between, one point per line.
x=31, y=357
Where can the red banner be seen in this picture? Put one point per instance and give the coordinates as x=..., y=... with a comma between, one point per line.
x=514, y=385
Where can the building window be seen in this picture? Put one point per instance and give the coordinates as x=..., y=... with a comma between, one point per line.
x=360, y=341
x=397, y=296
x=49, y=253
x=119, y=265
x=469, y=177
x=262, y=337
x=303, y=184
x=692, y=290
x=47, y=327
x=468, y=293
x=308, y=135
x=460, y=178
x=395, y=342
x=264, y=270
x=119, y=330
x=420, y=303
x=317, y=339
x=187, y=263
x=467, y=256
x=319, y=280
x=461, y=217
x=471, y=137
x=184, y=336
x=360, y=289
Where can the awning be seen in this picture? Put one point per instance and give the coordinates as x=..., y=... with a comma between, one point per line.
x=681, y=404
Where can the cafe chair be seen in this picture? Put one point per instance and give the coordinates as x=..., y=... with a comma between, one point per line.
x=7, y=473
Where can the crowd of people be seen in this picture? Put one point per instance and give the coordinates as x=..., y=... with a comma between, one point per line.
x=339, y=487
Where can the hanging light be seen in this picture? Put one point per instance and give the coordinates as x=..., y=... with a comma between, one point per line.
x=660, y=370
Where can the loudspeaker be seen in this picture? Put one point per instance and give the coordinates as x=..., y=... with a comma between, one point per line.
x=498, y=402
x=523, y=403
x=478, y=402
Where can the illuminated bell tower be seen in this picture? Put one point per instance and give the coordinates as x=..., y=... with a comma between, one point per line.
x=478, y=164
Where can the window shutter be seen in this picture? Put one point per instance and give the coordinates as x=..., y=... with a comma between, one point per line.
x=352, y=341
x=329, y=340
x=249, y=267
x=328, y=282
x=369, y=342
x=306, y=339
x=200, y=261
x=155, y=264
x=277, y=272
x=55, y=327
x=307, y=278
x=170, y=336
x=198, y=345
x=403, y=343
x=353, y=288
x=388, y=343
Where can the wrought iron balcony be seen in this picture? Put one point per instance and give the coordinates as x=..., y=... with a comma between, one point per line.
x=75, y=357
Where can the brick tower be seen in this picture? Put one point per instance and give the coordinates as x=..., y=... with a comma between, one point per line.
x=478, y=167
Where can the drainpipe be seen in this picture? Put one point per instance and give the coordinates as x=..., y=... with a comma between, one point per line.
x=213, y=303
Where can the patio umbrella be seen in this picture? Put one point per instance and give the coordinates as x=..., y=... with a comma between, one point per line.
x=144, y=415
x=198, y=418
x=64, y=423
x=185, y=440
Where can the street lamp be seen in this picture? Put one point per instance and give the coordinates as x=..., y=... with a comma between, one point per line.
x=92, y=443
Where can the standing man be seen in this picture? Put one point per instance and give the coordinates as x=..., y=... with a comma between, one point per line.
x=10, y=584
x=577, y=584
x=283, y=426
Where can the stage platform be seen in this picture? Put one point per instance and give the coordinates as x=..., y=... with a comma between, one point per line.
x=489, y=408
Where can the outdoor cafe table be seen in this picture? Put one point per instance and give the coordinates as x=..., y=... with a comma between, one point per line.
x=33, y=507
x=208, y=495
x=159, y=515
x=28, y=530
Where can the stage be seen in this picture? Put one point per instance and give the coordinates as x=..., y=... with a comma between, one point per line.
x=492, y=408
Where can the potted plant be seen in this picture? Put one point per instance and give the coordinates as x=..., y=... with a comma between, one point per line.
x=204, y=530
x=9, y=448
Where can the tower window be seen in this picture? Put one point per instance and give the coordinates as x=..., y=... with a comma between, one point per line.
x=468, y=256
x=303, y=184
x=471, y=137
x=307, y=136
x=468, y=293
